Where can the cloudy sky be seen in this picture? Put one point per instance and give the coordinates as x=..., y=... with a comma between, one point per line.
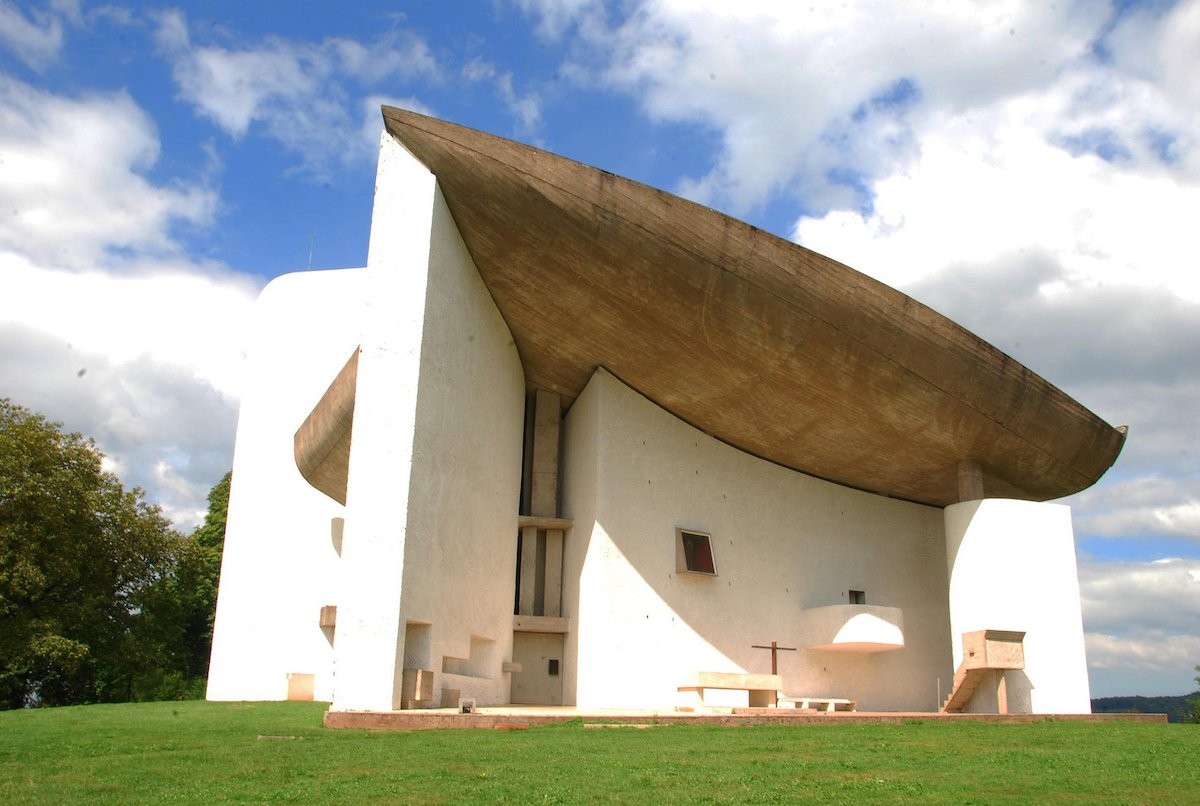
x=1030, y=169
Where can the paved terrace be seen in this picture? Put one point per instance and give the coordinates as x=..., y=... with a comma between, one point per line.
x=521, y=717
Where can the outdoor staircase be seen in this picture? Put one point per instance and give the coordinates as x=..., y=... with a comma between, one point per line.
x=985, y=652
x=965, y=683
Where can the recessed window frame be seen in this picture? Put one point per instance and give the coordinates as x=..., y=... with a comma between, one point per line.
x=857, y=597
x=698, y=565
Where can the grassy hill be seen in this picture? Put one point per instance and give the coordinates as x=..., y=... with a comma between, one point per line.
x=198, y=752
x=1176, y=708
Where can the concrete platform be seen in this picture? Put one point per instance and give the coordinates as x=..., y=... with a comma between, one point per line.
x=521, y=717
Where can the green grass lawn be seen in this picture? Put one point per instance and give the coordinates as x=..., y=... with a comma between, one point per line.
x=197, y=752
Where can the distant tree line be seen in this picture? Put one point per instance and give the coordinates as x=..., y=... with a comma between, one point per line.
x=1178, y=708
x=100, y=599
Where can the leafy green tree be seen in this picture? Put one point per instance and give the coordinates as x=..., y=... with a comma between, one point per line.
x=78, y=556
x=1195, y=703
x=178, y=614
x=208, y=544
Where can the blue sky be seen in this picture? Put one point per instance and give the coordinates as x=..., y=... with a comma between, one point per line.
x=1031, y=170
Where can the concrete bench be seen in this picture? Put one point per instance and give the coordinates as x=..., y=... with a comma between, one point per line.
x=762, y=690
x=818, y=703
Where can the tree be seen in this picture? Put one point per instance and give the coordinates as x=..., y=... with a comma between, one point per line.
x=78, y=556
x=208, y=545
x=179, y=608
x=1195, y=703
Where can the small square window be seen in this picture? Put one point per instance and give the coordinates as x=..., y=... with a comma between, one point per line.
x=858, y=597
x=552, y=667
x=693, y=553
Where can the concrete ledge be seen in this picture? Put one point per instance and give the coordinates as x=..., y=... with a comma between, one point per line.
x=511, y=718
x=543, y=522
x=852, y=628
x=550, y=624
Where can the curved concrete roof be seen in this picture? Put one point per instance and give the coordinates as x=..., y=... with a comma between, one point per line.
x=761, y=343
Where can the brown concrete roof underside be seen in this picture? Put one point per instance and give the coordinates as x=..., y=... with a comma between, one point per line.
x=763, y=344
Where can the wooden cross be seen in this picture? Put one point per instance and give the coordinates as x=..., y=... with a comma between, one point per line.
x=775, y=650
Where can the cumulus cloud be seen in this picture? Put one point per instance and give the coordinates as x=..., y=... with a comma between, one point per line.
x=36, y=39
x=526, y=109
x=164, y=313
x=1142, y=506
x=160, y=427
x=556, y=17
x=809, y=99
x=73, y=187
x=1005, y=182
x=1140, y=620
x=297, y=93
x=105, y=323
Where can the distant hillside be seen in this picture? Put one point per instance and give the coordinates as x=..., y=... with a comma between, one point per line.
x=1176, y=708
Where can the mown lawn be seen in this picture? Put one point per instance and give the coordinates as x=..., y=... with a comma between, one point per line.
x=197, y=752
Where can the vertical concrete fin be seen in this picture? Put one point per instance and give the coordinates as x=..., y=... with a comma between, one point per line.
x=370, y=642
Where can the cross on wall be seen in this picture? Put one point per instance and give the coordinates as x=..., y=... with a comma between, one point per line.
x=775, y=650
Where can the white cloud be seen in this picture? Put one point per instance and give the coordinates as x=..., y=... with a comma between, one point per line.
x=72, y=185
x=1140, y=621
x=297, y=93
x=172, y=316
x=1152, y=664
x=37, y=39
x=105, y=323
x=1133, y=597
x=995, y=182
x=160, y=427
x=1141, y=506
x=556, y=17
x=525, y=108
x=807, y=97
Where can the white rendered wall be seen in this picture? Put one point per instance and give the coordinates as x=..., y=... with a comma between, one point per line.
x=279, y=565
x=1012, y=567
x=435, y=462
x=782, y=542
x=461, y=550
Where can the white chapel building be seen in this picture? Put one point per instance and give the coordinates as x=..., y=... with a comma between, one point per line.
x=568, y=439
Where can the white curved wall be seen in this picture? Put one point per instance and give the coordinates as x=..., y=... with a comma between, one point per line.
x=279, y=565
x=1012, y=567
x=783, y=542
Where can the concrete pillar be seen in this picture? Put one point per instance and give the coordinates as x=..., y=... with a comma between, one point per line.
x=547, y=417
x=970, y=480
x=552, y=597
x=541, y=556
x=529, y=569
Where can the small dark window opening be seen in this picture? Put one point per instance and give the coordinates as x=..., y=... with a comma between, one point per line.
x=553, y=667
x=697, y=553
x=858, y=597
